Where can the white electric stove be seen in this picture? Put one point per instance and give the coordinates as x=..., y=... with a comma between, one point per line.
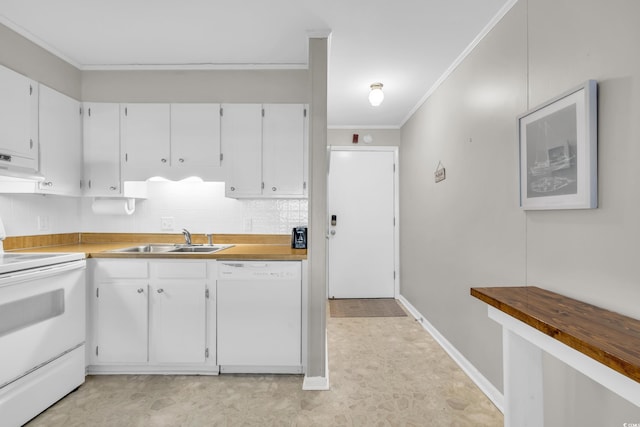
x=42, y=331
x=11, y=263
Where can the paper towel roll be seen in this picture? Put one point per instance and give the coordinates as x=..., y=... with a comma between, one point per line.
x=113, y=206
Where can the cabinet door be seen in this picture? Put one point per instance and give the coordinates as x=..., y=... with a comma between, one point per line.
x=145, y=133
x=122, y=323
x=241, y=129
x=60, y=143
x=101, y=128
x=19, y=119
x=178, y=319
x=283, y=137
x=195, y=135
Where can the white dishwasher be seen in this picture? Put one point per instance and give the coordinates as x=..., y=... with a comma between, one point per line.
x=259, y=311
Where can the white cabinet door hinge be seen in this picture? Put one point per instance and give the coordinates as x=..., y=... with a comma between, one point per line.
x=206, y=353
x=206, y=293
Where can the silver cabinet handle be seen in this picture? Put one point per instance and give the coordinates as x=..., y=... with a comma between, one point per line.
x=181, y=160
x=273, y=188
x=160, y=290
x=232, y=188
x=140, y=290
x=113, y=188
x=163, y=160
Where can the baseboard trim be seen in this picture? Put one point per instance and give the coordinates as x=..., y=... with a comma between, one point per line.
x=315, y=383
x=480, y=380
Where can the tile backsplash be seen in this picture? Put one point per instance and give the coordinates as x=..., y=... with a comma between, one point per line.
x=28, y=214
x=201, y=207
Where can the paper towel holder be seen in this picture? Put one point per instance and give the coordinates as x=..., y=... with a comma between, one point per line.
x=113, y=206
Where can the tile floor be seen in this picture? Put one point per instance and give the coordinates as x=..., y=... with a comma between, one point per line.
x=383, y=372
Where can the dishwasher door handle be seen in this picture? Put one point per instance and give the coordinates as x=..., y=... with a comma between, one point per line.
x=247, y=265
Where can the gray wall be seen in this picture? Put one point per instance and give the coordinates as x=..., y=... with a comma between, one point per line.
x=31, y=60
x=469, y=231
x=381, y=137
x=250, y=86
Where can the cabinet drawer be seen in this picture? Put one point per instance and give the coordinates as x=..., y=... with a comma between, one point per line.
x=122, y=269
x=179, y=270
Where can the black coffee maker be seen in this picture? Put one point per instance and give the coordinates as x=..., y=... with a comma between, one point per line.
x=299, y=238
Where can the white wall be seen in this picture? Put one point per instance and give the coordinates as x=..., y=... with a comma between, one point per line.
x=469, y=231
x=199, y=207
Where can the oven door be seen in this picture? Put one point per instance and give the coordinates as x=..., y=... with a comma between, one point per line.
x=42, y=316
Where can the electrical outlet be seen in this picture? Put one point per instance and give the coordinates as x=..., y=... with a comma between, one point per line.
x=167, y=223
x=43, y=223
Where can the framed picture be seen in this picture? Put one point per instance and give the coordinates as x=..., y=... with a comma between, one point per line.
x=558, y=152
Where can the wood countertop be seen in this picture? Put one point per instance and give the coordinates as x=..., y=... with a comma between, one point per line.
x=605, y=336
x=98, y=245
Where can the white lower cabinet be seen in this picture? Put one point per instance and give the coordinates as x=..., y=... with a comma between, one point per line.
x=178, y=308
x=122, y=325
x=152, y=316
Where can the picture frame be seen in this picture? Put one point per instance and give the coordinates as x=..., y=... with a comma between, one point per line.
x=558, y=151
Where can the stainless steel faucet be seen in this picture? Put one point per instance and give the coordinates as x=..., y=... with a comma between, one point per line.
x=187, y=236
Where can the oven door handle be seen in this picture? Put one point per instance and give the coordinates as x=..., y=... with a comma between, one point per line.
x=41, y=272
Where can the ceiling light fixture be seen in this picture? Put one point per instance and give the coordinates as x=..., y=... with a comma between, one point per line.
x=376, y=95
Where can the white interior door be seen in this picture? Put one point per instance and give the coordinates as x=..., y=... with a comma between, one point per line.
x=361, y=203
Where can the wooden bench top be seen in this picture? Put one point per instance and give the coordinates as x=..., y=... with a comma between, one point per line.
x=607, y=337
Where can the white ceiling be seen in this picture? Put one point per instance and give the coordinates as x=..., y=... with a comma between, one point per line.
x=405, y=44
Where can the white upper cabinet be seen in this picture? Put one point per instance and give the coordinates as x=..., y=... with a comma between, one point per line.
x=101, y=139
x=18, y=121
x=60, y=143
x=60, y=147
x=242, y=141
x=283, y=136
x=264, y=150
x=195, y=139
x=174, y=141
x=145, y=134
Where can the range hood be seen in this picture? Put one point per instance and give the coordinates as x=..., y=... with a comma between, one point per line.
x=18, y=168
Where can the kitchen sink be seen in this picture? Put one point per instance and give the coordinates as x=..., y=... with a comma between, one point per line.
x=172, y=248
x=200, y=249
x=152, y=248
